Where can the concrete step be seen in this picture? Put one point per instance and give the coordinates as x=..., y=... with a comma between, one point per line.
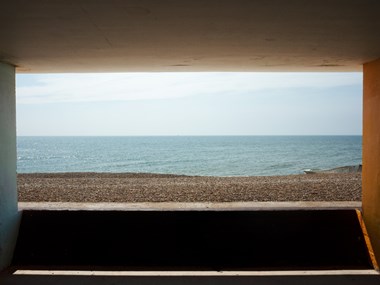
x=64, y=277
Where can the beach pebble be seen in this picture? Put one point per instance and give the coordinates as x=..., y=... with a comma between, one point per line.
x=136, y=187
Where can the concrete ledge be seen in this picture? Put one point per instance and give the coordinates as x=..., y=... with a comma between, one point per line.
x=195, y=273
x=173, y=206
x=307, y=277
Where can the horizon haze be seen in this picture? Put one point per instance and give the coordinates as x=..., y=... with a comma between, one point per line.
x=189, y=104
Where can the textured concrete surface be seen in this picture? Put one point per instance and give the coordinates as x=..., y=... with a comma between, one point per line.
x=371, y=153
x=208, y=35
x=8, y=188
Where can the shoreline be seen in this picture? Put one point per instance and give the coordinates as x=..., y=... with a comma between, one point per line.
x=94, y=187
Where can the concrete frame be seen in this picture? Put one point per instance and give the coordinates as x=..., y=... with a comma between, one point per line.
x=209, y=35
x=9, y=217
x=371, y=152
x=42, y=36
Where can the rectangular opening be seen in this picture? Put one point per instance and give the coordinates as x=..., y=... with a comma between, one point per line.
x=130, y=138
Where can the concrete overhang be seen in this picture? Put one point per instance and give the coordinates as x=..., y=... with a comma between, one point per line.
x=42, y=36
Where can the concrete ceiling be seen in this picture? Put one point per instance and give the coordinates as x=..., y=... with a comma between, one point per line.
x=181, y=35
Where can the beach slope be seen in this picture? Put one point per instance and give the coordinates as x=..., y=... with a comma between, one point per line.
x=136, y=188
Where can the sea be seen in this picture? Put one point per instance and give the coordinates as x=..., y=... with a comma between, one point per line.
x=188, y=155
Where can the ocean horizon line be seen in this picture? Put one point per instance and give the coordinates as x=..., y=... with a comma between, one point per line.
x=114, y=136
x=105, y=174
x=187, y=155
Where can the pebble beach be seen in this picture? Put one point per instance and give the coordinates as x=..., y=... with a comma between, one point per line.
x=145, y=187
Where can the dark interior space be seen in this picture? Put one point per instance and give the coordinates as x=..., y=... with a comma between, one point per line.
x=191, y=240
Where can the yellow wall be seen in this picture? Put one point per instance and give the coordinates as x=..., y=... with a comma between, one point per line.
x=371, y=152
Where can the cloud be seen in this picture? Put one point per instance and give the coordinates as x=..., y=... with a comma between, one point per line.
x=55, y=88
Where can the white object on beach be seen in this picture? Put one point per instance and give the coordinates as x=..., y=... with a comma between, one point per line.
x=343, y=169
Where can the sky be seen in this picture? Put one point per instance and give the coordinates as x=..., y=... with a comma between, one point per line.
x=175, y=104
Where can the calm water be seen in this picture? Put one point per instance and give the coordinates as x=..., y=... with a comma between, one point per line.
x=219, y=156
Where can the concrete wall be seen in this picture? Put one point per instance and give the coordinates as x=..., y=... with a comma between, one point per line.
x=371, y=152
x=8, y=190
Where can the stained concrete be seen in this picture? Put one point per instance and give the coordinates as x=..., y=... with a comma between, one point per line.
x=371, y=152
x=208, y=35
x=8, y=190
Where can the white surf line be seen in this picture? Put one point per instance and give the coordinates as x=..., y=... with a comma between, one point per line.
x=203, y=206
x=195, y=273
